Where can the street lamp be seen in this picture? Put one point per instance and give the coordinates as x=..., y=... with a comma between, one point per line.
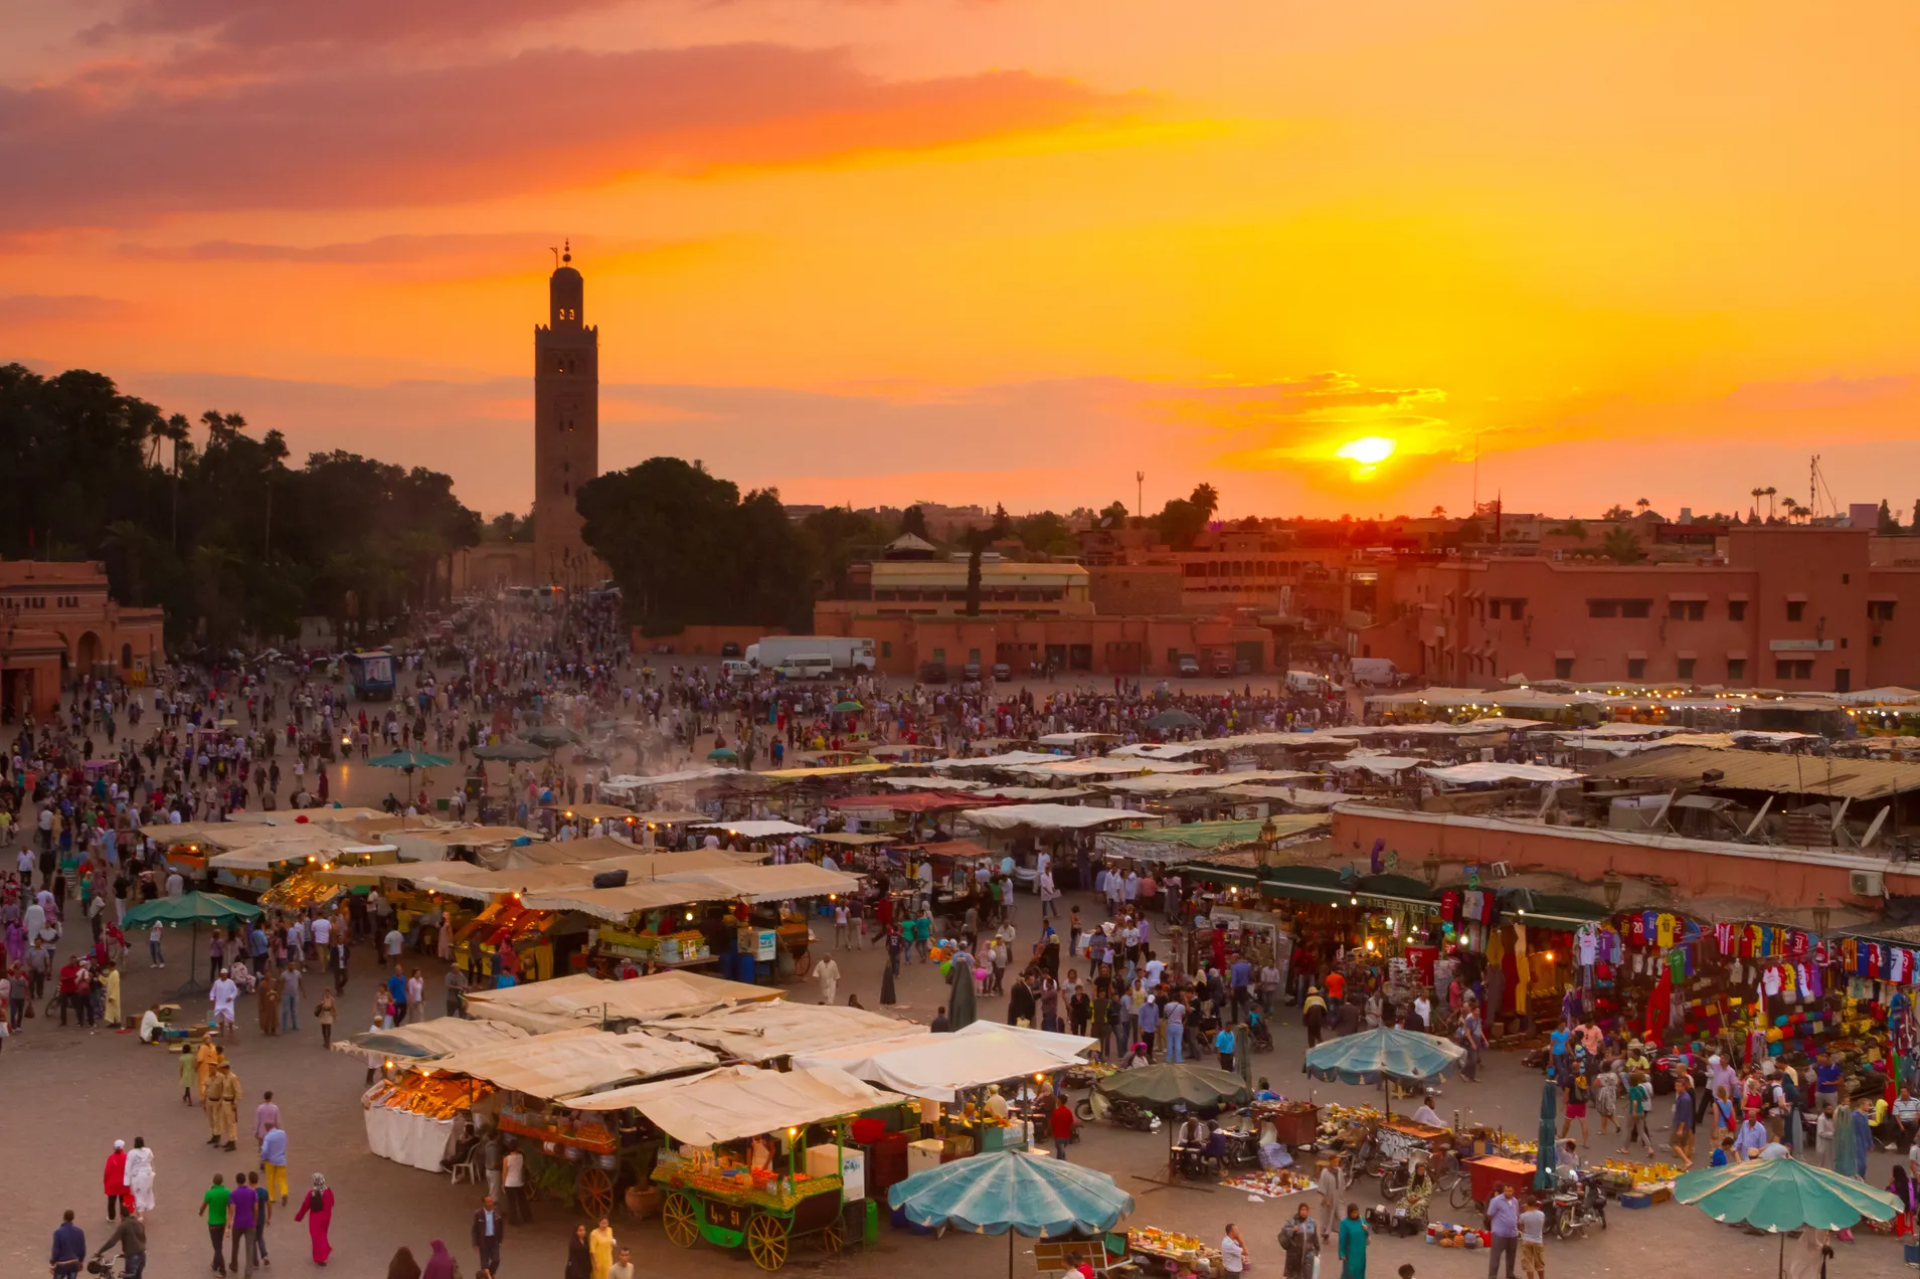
x=1610, y=886
x=1822, y=915
x=1432, y=867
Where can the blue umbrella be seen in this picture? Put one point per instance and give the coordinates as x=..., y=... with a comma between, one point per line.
x=1012, y=1193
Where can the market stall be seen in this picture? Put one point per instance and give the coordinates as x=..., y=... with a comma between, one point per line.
x=768, y=1031
x=543, y=1084
x=578, y=1000
x=762, y=1158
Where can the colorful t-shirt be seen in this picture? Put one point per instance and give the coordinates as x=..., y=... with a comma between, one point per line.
x=216, y=1201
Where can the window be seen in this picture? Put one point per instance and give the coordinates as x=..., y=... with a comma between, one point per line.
x=1563, y=668
x=1796, y=609
x=1736, y=610
x=1602, y=608
x=1880, y=610
x=1636, y=608
x=1793, y=668
x=1876, y=641
x=1736, y=669
x=1636, y=668
x=940, y=656
x=1687, y=610
x=1685, y=670
x=1619, y=608
x=1846, y=579
x=886, y=648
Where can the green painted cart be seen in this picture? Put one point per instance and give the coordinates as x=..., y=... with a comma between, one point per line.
x=766, y=1220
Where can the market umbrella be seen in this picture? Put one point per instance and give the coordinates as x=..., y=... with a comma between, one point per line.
x=511, y=752
x=723, y=752
x=960, y=1010
x=1386, y=1052
x=552, y=736
x=1176, y=1085
x=848, y=708
x=1167, y=721
x=1548, y=1153
x=1012, y=1193
x=1778, y=1195
x=190, y=909
x=407, y=762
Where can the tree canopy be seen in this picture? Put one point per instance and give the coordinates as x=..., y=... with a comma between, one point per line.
x=686, y=548
x=223, y=534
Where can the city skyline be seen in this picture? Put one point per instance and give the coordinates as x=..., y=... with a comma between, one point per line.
x=1007, y=252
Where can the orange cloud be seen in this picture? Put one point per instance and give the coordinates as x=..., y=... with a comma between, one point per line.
x=113, y=148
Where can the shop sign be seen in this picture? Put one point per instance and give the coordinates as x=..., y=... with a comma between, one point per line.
x=1404, y=907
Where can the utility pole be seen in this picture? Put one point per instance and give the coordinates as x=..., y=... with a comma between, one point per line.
x=1140, y=495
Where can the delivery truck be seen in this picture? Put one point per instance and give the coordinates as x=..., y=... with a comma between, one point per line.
x=845, y=654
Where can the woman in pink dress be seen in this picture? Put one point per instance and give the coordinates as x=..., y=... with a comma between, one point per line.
x=316, y=1208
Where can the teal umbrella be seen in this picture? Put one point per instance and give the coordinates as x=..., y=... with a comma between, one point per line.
x=406, y=762
x=1778, y=1195
x=1168, y=721
x=1548, y=1153
x=1012, y=1193
x=1387, y=1052
x=409, y=760
x=190, y=909
x=551, y=735
x=723, y=753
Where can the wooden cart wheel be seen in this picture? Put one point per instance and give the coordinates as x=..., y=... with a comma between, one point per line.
x=833, y=1239
x=677, y=1216
x=595, y=1191
x=767, y=1241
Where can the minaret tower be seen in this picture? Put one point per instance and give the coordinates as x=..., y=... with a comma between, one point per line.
x=566, y=430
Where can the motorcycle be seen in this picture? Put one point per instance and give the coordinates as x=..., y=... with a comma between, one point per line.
x=1121, y=1110
x=1577, y=1204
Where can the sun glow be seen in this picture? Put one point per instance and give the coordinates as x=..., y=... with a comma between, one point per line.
x=1368, y=450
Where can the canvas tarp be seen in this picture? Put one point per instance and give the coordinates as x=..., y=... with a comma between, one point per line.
x=741, y=1102
x=939, y=1067
x=1180, y=839
x=1384, y=765
x=1481, y=773
x=762, y=1032
x=766, y=828
x=568, y=1002
x=1173, y=784
x=430, y=1040
x=1046, y=817
x=568, y=1062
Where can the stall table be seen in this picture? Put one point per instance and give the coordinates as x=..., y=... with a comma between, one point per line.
x=1489, y=1173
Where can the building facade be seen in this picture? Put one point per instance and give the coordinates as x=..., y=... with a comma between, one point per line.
x=58, y=622
x=1794, y=608
x=566, y=431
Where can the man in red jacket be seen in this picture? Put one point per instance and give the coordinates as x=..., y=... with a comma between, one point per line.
x=1061, y=1122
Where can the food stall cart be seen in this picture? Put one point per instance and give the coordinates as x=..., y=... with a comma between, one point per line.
x=762, y=1158
x=574, y=1154
x=1175, y=1253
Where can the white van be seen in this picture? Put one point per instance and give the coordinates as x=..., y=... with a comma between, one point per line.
x=1380, y=672
x=734, y=668
x=806, y=666
x=1311, y=684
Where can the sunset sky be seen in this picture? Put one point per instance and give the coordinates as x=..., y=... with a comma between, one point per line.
x=1002, y=250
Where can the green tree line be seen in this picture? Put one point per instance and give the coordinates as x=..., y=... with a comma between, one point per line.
x=207, y=521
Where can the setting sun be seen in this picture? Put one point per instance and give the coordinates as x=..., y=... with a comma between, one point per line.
x=1368, y=450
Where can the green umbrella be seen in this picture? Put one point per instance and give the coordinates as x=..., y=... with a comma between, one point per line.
x=847, y=708
x=1778, y=1195
x=552, y=736
x=1012, y=1193
x=723, y=752
x=1167, y=721
x=190, y=909
x=510, y=752
x=1176, y=1086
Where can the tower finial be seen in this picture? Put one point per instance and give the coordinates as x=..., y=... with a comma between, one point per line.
x=568, y=255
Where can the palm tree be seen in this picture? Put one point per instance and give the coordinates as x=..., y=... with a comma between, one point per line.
x=1769, y=491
